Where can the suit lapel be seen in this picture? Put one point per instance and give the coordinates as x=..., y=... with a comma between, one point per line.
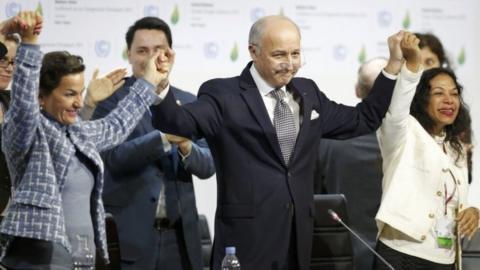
x=257, y=107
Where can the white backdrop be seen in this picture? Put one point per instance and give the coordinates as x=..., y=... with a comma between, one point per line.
x=210, y=40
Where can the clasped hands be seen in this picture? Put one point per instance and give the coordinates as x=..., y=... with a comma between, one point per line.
x=403, y=46
x=28, y=24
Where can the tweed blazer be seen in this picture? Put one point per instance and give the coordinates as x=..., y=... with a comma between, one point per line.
x=38, y=150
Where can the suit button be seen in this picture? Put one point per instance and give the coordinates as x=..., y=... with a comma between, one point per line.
x=289, y=175
x=423, y=237
x=439, y=194
x=458, y=182
x=153, y=200
x=289, y=207
x=431, y=215
x=445, y=170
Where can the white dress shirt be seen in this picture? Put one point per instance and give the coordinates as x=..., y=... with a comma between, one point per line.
x=270, y=101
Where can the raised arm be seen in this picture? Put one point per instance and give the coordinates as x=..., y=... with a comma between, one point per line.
x=117, y=125
x=343, y=122
x=22, y=118
x=392, y=133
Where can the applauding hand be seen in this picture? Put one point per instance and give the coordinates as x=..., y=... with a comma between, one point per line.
x=100, y=88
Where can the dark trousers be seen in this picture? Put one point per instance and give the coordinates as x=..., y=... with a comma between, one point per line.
x=33, y=254
x=170, y=253
x=401, y=261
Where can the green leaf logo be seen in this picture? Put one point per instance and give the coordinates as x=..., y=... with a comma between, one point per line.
x=234, y=53
x=461, y=57
x=39, y=9
x=175, y=15
x=362, y=55
x=406, y=21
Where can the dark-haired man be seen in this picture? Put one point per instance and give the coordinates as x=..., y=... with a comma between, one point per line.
x=148, y=181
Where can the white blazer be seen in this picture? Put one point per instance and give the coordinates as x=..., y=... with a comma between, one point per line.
x=413, y=164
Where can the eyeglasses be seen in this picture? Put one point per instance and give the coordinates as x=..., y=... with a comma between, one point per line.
x=4, y=62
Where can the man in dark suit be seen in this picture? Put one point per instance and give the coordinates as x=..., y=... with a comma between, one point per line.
x=354, y=168
x=264, y=149
x=148, y=181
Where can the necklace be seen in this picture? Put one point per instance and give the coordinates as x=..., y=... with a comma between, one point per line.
x=440, y=140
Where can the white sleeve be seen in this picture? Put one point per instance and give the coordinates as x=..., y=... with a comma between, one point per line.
x=392, y=132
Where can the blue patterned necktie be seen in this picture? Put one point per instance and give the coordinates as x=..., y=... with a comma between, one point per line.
x=284, y=124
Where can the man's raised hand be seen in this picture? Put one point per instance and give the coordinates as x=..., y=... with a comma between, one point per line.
x=395, y=61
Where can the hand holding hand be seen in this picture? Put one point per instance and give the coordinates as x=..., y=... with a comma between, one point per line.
x=158, y=68
x=468, y=222
x=27, y=23
x=395, y=61
x=100, y=88
x=165, y=63
x=184, y=144
x=411, y=51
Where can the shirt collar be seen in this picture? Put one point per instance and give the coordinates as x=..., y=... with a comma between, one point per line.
x=262, y=85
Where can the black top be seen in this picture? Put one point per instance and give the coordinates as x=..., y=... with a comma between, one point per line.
x=4, y=175
x=3, y=50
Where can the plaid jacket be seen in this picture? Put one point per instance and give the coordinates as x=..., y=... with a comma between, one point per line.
x=38, y=151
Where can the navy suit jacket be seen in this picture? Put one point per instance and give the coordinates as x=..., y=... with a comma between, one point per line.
x=135, y=171
x=260, y=199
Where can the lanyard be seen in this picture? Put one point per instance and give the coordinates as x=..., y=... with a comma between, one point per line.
x=448, y=199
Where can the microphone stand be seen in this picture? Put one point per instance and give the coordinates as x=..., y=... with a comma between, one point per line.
x=339, y=220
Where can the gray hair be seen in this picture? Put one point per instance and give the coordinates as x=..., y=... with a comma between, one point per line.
x=367, y=73
x=258, y=28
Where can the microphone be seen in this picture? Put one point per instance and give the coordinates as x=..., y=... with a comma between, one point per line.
x=337, y=218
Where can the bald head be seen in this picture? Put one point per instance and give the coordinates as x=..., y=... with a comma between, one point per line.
x=367, y=73
x=266, y=25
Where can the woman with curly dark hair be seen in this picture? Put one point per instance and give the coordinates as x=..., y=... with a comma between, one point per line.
x=453, y=131
x=433, y=56
x=424, y=209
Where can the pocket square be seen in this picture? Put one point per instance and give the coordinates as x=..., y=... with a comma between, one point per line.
x=314, y=115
